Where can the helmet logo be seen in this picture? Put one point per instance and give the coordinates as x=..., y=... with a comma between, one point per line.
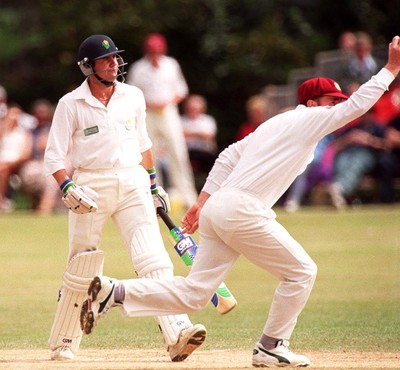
x=105, y=44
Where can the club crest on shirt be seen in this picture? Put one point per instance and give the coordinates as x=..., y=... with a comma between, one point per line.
x=129, y=124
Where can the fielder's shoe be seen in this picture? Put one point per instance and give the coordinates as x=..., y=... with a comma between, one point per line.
x=62, y=354
x=280, y=356
x=189, y=340
x=101, y=299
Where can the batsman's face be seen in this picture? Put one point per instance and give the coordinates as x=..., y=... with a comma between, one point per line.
x=107, y=68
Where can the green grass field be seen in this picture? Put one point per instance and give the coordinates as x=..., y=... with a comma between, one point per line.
x=355, y=304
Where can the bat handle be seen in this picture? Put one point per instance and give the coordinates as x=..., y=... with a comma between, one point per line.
x=164, y=216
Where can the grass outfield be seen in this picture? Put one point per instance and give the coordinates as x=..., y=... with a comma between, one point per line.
x=354, y=305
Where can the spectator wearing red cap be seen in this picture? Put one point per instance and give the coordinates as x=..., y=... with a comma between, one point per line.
x=161, y=79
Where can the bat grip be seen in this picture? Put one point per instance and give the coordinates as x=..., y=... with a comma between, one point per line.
x=164, y=216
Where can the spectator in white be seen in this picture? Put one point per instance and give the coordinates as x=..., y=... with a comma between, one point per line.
x=200, y=130
x=161, y=79
x=15, y=150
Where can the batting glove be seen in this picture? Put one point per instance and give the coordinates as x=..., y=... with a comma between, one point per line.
x=160, y=199
x=79, y=199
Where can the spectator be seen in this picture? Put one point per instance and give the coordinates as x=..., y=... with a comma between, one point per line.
x=347, y=41
x=358, y=150
x=15, y=150
x=42, y=190
x=200, y=130
x=256, y=112
x=160, y=78
x=318, y=171
x=363, y=65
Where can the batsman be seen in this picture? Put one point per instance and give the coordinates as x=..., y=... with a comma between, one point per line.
x=100, y=126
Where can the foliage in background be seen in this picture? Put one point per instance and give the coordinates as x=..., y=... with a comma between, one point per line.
x=228, y=49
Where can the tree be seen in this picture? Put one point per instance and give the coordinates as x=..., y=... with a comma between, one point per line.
x=228, y=49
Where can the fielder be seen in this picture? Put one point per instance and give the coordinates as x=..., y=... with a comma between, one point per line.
x=234, y=212
x=103, y=120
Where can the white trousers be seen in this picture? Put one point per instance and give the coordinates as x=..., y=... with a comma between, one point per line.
x=233, y=223
x=166, y=132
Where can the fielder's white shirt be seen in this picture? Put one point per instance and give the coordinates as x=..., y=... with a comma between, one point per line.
x=267, y=161
x=159, y=84
x=100, y=137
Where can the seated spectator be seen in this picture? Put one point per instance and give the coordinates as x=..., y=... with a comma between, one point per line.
x=42, y=190
x=347, y=41
x=200, y=130
x=256, y=112
x=15, y=150
x=363, y=65
x=358, y=147
x=319, y=171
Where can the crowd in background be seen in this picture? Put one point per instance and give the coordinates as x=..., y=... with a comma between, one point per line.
x=368, y=148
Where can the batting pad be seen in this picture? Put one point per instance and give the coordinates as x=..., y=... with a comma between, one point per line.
x=80, y=271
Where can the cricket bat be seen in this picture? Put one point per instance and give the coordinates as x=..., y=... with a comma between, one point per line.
x=185, y=246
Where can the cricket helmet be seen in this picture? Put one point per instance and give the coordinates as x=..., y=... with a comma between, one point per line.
x=96, y=47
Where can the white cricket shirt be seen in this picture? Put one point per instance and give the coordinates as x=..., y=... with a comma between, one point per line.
x=159, y=85
x=266, y=162
x=99, y=137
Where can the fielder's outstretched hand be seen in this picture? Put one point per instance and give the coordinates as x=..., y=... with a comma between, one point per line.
x=393, y=63
x=79, y=199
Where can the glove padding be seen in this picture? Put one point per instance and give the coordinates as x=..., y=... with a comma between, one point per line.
x=161, y=199
x=80, y=199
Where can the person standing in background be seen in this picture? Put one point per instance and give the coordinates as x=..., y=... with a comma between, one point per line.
x=161, y=79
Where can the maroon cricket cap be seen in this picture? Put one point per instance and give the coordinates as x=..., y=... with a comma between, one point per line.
x=320, y=86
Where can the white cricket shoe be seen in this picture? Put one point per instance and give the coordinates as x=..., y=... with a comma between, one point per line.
x=280, y=356
x=189, y=340
x=62, y=354
x=101, y=299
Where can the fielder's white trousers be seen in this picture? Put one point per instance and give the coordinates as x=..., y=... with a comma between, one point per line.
x=233, y=223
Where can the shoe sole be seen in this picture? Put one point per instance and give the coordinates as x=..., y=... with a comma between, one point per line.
x=195, y=341
x=279, y=365
x=87, y=316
